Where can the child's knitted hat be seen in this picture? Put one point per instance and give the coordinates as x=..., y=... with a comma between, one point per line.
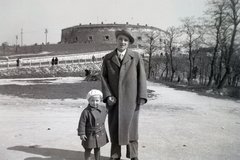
x=94, y=92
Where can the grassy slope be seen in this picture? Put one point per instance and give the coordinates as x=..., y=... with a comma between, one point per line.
x=56, y=50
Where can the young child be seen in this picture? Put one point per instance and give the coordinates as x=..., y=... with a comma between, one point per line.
x=91, y=128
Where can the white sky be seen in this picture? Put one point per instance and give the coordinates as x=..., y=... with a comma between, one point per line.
x=33, y=16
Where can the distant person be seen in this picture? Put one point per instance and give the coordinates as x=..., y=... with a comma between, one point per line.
x=53, y=61
x=124, y=90
x=56, y=61
x=93, y=58
x=18, y=61
x=91, y=127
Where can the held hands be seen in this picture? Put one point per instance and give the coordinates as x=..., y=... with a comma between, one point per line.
x=83, y=137
x=111, y=100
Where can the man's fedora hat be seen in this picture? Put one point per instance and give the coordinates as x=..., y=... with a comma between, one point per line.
x=125, y=32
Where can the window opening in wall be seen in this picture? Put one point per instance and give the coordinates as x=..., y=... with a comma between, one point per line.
x=90, y=38
x=106, y=38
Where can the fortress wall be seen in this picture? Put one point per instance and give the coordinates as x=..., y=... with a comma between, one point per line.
x=103, y=33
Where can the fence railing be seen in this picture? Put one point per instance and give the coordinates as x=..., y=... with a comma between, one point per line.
x=47, y=61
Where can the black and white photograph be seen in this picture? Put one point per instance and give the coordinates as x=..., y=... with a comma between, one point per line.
x=120, y=80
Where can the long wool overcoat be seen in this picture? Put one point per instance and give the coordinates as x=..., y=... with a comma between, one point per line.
x=127, y=83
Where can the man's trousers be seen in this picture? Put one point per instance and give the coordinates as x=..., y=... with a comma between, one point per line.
x=132, y=150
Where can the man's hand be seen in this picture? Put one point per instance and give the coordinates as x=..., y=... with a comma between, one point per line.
x=83, y=137
x=111, y=100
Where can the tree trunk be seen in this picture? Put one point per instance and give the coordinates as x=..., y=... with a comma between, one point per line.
x=234, y=81
x=166, y=71
x=190, y=70
x=149, y=66
x=211, y=75
x=224, y=79
x=162, y=73
x=173, y=72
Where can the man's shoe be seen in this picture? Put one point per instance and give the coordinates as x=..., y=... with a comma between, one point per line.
x=134, y=158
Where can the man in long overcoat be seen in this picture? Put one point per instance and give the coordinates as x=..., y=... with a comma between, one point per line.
x=124, y=90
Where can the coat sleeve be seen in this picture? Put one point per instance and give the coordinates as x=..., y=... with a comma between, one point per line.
x=142, y=80
x=104, y=81
x=82, y=123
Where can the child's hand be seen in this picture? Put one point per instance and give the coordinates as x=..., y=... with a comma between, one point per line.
x=111, y=100
x=83, y=137
x=142, y=101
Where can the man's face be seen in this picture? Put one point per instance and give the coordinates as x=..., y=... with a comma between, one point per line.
x=122, y=42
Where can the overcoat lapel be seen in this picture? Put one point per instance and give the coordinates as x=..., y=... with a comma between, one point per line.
x=127, y=57
x=125, y=65
x=95, y=113
x=115, y=58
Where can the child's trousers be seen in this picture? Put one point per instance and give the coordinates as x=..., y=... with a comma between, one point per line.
x=87, y=153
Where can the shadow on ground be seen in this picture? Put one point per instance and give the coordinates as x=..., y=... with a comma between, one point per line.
x=51, y=153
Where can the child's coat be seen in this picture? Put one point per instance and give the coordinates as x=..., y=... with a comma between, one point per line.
x=92, y=125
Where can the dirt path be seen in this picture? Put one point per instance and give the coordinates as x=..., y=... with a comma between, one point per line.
x=174, y=125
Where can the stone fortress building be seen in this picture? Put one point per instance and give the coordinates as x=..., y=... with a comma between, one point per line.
x=105, y=33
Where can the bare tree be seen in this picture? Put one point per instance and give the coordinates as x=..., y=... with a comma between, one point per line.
x=235, y=63
x=215, y=23
x=230, y=31
x=193, y=32
x=167, y=61
x=171, y=36
x=158, y=63
x=204, y=63
x=151, y=46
